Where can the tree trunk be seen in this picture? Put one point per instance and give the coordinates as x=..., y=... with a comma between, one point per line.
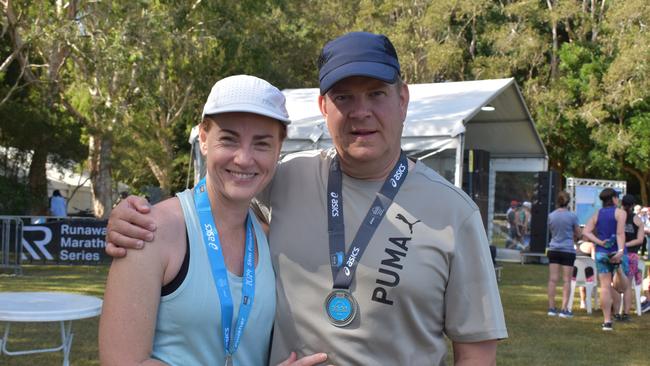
x=645, y=185
x=472, y=44
x=162, y=174
x=38, y=182
x=642, y=177
x=101, y=147
x=554, y=58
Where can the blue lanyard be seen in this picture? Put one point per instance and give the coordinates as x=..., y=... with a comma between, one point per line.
x=220, y=273
x=336, y=228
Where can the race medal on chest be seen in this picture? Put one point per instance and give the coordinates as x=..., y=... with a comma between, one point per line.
x=341, y=307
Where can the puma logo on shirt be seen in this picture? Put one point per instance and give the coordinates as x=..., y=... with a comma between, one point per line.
x=402, y=218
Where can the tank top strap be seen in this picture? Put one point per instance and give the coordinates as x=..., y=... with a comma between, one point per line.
x=262, y=242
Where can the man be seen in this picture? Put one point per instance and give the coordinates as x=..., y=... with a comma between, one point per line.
x=368, y=277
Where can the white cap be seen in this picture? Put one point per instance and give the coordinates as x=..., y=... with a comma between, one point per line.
x=245, y=93
x=527, y=204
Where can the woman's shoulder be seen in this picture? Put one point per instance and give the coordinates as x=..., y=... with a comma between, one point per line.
x=168, y=215
x=170, y=228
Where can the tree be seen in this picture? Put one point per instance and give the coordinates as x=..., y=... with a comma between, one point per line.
x=33, y=98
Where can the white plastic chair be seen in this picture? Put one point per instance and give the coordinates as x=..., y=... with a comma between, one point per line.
x=580, y=278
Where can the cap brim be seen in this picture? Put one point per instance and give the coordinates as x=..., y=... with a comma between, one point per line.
x=246, y=108
x=375, y=70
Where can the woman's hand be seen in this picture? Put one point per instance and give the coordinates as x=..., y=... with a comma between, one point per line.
x=314, y=359
x=617, y=257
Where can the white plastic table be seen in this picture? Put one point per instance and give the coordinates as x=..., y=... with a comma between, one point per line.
x=46, y=307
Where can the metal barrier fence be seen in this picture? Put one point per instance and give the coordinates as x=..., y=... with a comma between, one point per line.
x=11, y=245
x=51, y=241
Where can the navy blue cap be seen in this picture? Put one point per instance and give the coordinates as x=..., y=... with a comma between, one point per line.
x=357, y=54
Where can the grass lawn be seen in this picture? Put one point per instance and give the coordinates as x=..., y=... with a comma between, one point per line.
x=86, y=280
x=535, y=339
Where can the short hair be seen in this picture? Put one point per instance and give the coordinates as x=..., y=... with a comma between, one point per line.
x=563, y=199
x=607, y=196
x=56, y=193
x=628, y=202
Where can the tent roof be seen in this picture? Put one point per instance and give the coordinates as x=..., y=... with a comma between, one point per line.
x=437, y=114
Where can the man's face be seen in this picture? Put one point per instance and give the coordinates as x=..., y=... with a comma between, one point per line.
x=365, y=117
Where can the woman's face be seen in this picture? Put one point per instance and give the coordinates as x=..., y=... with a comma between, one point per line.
x=242, y=151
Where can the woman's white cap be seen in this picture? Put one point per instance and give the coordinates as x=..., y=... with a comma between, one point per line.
x=245, y=93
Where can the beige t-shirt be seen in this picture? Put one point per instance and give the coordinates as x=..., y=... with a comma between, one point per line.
x=427, y=271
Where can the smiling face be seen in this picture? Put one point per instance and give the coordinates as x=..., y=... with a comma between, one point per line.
x=242, y=151
x=365, y=117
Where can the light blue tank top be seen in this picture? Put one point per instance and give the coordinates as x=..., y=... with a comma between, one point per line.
x=188, y=327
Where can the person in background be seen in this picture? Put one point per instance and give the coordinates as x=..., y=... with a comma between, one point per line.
x=58, y=205
x=606, y=229
x=204, y=293
x=644, y=215
x=512, y=225
x=633, y=243
x=565, y=231
x=522, y=222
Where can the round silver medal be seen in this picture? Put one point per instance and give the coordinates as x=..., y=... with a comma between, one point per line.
x=341, y=307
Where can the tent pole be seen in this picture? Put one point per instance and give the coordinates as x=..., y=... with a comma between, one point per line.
x=458, y=174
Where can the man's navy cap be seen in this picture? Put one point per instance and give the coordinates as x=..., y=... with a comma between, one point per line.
x=357, y=54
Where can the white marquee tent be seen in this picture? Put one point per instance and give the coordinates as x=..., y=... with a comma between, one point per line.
x=442, y=116
x=443, y=120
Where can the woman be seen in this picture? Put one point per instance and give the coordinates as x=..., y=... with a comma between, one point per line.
x=609, y=239
x=633, y=242
x=561, y=253
x=206, y=294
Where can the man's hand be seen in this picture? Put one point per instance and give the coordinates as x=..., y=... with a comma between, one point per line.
x=129, y=226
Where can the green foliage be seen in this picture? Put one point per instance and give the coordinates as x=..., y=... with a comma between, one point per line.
x=140, y=70
x=16, y=197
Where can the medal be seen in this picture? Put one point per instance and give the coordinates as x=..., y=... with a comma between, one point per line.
x=228, y=360
x=341, y=307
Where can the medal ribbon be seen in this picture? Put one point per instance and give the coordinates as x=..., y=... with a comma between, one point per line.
x=344, y=267
x=220, y=273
